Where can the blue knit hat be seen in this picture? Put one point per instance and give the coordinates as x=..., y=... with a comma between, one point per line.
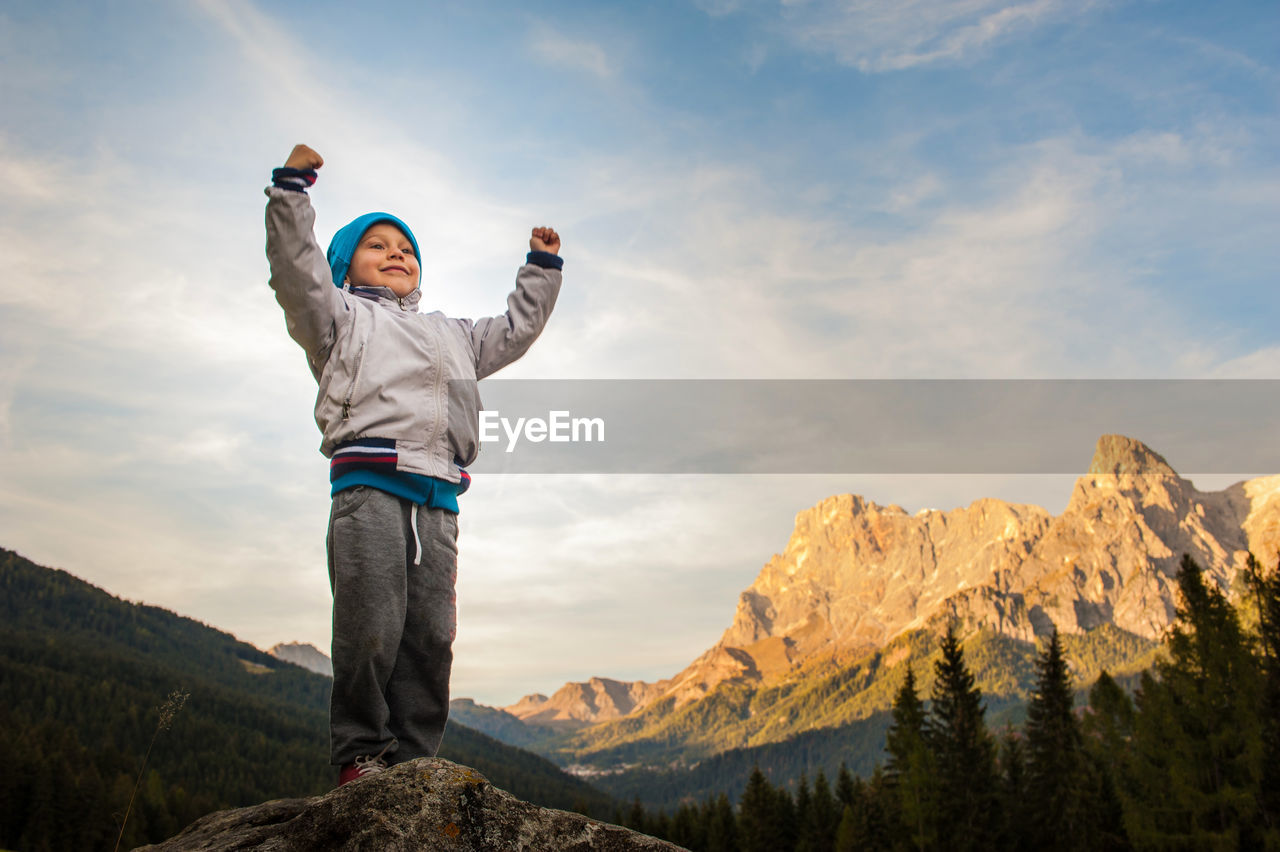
x=343, y=245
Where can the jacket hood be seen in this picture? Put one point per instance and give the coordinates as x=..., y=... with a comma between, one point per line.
x=343, y=245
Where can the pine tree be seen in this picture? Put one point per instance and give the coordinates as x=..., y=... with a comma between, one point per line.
x=911, y=771
x=825, y=814
x=1057, y=781
x=1015, y=833
x=967, y=809
x=763, y=818
x=807, y=840
x=848, y=837
x=783, y=819
x=881, y=820
x=1109, y=719
x=687, y=828
x=637, y=819
x=658, y=825
x=864, y=823
x=721, y=826
x=1265, y=587
x=907, y=728
x=1198, y=736
x=1108, y=731
x=845, y=786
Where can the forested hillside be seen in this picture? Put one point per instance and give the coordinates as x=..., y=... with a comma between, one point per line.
x=83, y=675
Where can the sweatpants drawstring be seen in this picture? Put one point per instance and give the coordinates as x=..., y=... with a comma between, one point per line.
x=417, y=542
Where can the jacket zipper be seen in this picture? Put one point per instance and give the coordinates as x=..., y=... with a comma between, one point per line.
x=346, y=403
x=435, y=338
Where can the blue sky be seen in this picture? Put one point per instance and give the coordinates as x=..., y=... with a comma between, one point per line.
x=860, y=189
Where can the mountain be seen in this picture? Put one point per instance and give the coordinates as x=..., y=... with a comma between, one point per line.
x=307, y=655
x=855, y=574
x=820, y=639
x=84, y=676
x=576, y=705
x=494, y=722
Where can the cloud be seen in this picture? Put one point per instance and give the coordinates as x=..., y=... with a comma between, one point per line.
x=1227, y=57
x=877, y=36
x=272, y=51
x=558, y=50
x=1262, y=363
x=11, y=370
x=1051, y=263
x=719, y=8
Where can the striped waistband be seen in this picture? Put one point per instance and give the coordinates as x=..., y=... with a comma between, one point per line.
x=378, y=454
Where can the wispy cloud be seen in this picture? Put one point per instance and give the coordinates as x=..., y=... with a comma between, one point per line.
x=1004, y=277
x=718, y=8
x=1226, y=56
x=561, y=51
x=891, y=35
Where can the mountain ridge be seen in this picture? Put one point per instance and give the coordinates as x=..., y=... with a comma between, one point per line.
x=855, y=575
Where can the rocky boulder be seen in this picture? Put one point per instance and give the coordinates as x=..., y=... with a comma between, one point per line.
x=428, y=804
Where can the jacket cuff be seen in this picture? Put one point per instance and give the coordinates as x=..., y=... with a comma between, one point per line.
x=295, y=179
x=545, y=259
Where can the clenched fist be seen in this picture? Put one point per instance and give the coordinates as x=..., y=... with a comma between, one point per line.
x=302, y=157
x=542, y=239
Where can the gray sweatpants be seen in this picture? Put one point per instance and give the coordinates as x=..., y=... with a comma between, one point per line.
x=393, y=625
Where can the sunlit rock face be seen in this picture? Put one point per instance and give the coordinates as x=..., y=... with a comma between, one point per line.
x=856, y=574
x=578, y=704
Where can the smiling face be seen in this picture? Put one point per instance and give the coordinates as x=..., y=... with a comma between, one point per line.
x=384, y=258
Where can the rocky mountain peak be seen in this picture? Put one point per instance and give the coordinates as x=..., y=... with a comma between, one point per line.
x=1119, y=454
x=576, y=704
x=855, y=575
x=303, y=654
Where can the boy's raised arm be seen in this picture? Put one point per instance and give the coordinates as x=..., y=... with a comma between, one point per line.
x=300, y=274
x=497, y=341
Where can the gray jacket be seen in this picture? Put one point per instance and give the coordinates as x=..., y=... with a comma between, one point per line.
x=385, y=370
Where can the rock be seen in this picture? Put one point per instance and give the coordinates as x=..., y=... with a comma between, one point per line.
x=427, y=804
x=1119, y=454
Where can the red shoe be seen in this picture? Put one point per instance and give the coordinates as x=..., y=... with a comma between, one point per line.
x=364, y=765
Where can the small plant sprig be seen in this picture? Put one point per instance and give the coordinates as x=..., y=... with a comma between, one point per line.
x=168, y=710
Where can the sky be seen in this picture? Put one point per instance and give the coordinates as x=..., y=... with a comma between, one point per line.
x=805, y=189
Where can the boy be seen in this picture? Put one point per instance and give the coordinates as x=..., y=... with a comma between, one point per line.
x=397, y=407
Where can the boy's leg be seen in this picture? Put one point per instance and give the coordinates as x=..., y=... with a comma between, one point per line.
x=418, y=693
x=367, y=547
